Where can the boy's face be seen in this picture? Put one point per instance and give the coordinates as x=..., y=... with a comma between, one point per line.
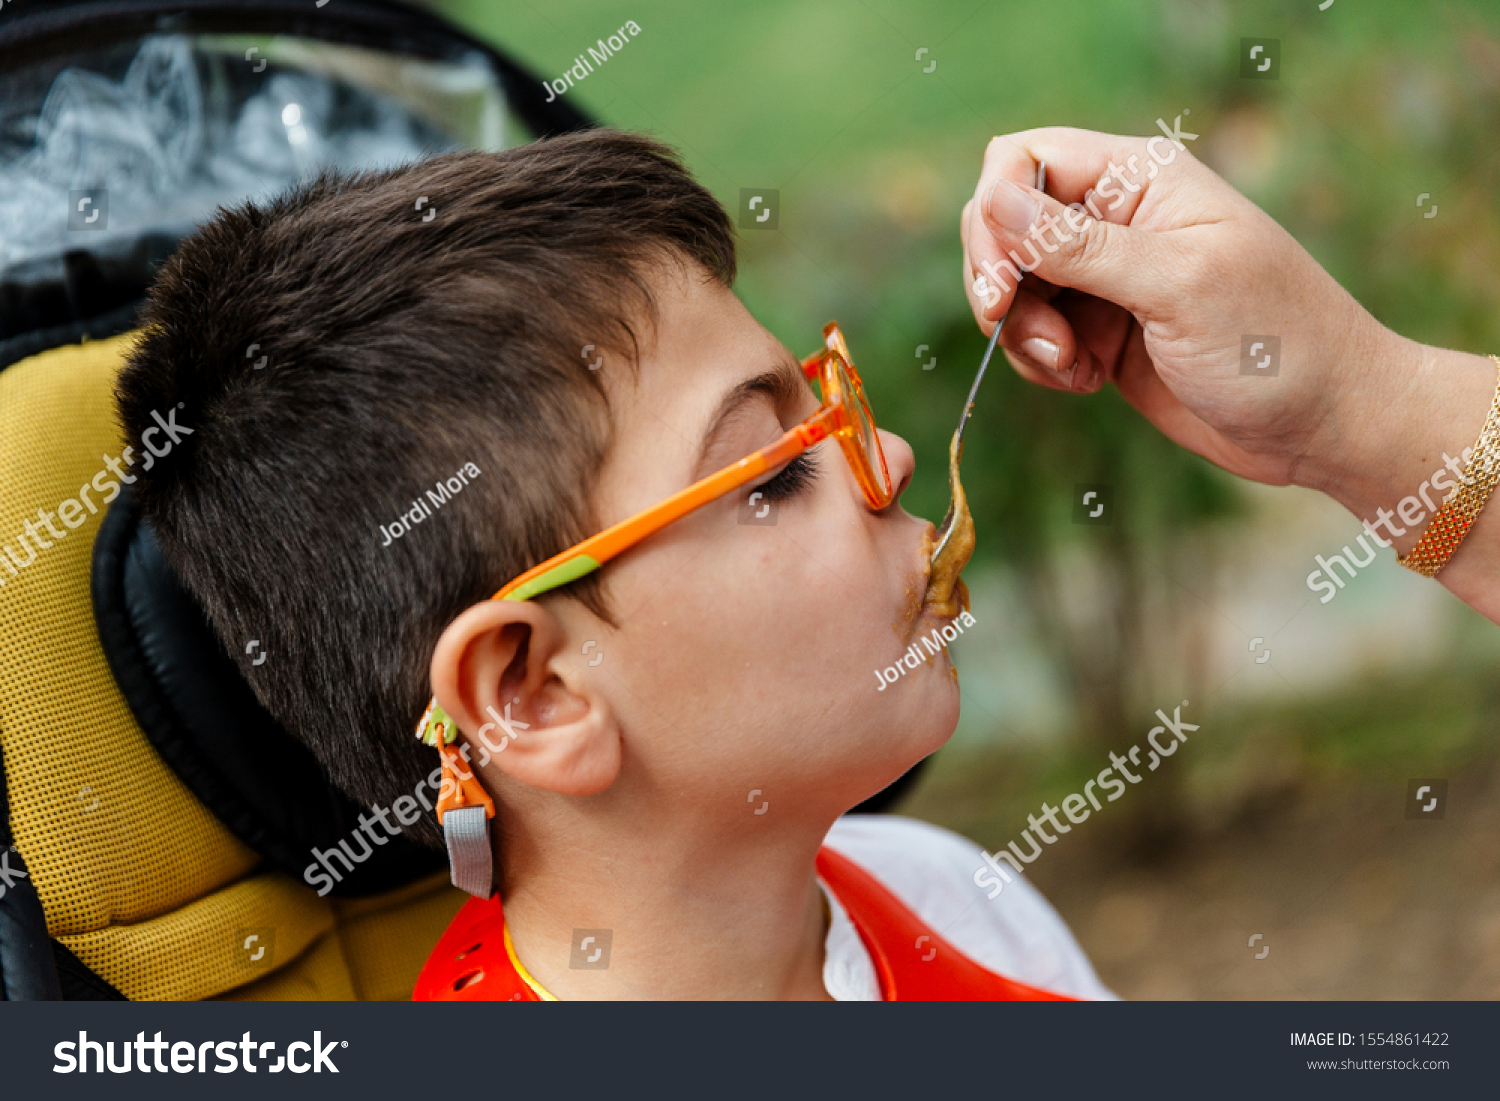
x=750, y=631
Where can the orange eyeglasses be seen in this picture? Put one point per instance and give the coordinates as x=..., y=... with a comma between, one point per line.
x=843, y=415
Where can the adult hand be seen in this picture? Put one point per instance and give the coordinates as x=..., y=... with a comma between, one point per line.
x=1154, y=278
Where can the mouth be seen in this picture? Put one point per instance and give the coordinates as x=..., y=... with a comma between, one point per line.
x=952, y=596
x=947, y=596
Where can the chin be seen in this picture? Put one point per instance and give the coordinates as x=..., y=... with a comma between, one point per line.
x=894, y=739
x=940, y=717
x=929, y=718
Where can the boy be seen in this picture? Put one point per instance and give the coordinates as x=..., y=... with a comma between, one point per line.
x=684, y=726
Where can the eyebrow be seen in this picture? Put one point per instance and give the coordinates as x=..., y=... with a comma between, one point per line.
x=782, y=384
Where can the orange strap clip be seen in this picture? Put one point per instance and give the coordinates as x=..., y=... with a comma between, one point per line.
x=460, y=787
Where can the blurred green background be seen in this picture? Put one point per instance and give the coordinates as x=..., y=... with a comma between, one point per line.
x=1284, y=816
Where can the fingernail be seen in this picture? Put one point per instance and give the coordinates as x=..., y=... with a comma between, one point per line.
x=1010, y=207
x=1068, y=378
x=1043, y=351
x=1090, y=370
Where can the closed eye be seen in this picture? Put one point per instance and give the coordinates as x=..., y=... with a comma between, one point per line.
x=792, y=479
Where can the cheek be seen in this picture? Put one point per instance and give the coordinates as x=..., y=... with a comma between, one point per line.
x=775, y=602
x=762, y=613
x=742, y=621
x=817, y=602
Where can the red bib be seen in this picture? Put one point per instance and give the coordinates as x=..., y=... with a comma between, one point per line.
x=913, y=961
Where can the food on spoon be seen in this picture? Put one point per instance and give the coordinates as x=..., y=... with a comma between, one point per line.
x=946, y=592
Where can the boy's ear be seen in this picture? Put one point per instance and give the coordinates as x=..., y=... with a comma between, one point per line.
x=501, y=672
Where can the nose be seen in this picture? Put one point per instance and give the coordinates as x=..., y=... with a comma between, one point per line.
x=899, y=461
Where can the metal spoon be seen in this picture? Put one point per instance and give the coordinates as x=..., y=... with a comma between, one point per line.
x=945, y=529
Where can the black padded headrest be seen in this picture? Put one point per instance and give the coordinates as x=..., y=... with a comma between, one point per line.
x=197, y=710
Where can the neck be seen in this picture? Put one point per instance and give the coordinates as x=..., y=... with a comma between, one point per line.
x=690, y=915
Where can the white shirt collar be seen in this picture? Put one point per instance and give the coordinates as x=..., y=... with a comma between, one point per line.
x=848, y=971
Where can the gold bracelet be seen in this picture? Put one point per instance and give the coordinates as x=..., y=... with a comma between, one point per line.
x=1453, y=521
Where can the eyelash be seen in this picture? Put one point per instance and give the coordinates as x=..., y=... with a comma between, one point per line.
x=795, y=477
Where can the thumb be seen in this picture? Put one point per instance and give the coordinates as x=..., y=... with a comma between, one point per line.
x=1068, y=247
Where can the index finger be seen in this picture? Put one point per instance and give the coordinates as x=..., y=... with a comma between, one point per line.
x=1076, y=159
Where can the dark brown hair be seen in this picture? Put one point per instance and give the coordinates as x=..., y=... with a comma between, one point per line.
x=403, y=339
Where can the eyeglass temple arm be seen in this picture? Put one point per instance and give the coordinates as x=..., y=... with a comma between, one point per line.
x=594, y=552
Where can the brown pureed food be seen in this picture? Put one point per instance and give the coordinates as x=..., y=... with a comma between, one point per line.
x=946, y=592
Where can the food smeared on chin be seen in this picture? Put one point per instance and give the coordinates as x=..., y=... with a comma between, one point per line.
x=946, y=593
x=916, y=595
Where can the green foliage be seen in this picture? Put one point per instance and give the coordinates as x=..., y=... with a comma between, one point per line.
x=874, y=159
x=1377, y=732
